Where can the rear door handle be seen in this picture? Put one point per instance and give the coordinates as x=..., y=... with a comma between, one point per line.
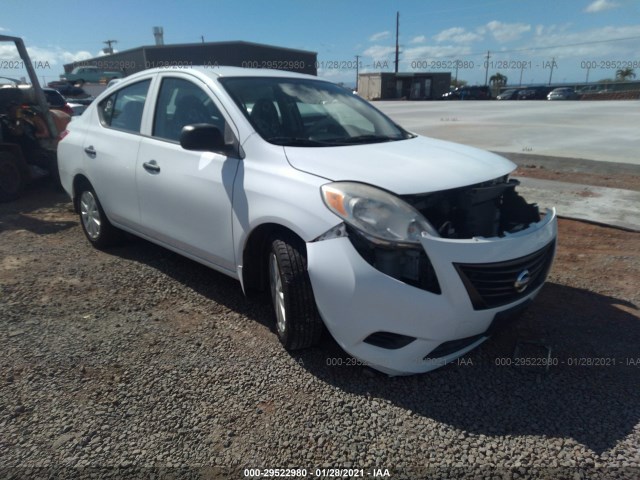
x=151, y=166
x=90, y=151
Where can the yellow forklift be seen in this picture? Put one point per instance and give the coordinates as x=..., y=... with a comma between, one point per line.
x=29, y=130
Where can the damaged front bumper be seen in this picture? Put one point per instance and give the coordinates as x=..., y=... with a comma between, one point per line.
x=401, y=329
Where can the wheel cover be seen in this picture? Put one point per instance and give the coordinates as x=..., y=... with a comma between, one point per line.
x=277, y=294
x=90, y=215
x=9, y=177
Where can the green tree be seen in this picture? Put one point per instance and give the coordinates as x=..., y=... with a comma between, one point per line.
x=497, y=81
x=625, y=73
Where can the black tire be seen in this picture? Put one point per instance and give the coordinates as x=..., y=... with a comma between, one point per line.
x=95, y=224
x=298, y=323
x=12, y=179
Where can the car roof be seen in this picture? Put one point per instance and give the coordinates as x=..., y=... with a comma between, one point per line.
x=214, y=72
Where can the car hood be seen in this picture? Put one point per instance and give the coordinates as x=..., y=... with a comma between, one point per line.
x=415, y=165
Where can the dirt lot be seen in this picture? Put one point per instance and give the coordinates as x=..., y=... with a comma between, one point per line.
x=143, y=361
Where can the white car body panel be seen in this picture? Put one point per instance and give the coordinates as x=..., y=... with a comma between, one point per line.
x=206, y=205
x=352, y=310
x=415, y=165
x=185, y=204
x=113, y=169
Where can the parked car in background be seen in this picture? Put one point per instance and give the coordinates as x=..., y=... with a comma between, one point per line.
x=468, y=93
x=534, y=93
x=77, y=108
x=510, y=94
x=67, y=89
x=563, y=93
x=56, y=101
x=81, y=75
x=598, y=88
x=411, y=251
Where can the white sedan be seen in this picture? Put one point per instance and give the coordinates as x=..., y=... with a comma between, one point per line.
x=410, y=251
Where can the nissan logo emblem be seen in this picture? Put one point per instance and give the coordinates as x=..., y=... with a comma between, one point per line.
x=522, y=281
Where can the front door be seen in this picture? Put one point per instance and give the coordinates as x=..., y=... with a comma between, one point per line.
x=185, y=196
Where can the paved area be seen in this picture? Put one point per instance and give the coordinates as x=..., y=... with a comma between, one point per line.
x=589, y=135
x=608, y=206
x=594, y=130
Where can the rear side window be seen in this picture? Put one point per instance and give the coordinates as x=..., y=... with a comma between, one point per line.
x=123, y=109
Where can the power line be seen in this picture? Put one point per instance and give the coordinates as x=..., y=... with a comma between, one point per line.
x=570, y=45
x=529, y=49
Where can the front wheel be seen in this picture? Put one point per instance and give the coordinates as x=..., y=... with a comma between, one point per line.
x=95, y=224
x=298, y=322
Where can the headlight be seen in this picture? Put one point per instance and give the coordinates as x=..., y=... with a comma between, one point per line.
x=376, y=213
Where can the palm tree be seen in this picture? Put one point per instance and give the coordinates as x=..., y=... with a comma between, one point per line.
x=625, y=73
x=496, y=81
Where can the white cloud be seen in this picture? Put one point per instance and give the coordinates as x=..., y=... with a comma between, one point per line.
x=4, y=29
x=457, y=35
x=48, y=62
x=102, y=54
x=379, y=52
x=506, y=32
x=379, y=36
x=418, y=39
x=57, y=56
x=618, y=50
x=600, y=6
x=427, y=53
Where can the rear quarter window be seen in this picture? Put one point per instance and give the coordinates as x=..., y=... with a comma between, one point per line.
x=123, y=109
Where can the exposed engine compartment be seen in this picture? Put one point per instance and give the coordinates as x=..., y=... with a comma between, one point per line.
x=488, y=209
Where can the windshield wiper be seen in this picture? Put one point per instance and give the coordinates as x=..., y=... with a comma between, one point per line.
x=296, y=142
x=366, y=139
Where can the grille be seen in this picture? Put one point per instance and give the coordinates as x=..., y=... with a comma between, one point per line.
x=491, y=285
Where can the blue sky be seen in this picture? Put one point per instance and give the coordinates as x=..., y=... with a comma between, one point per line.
x=523, y=36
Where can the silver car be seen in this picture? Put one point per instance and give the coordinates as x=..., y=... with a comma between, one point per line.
x=563, y=93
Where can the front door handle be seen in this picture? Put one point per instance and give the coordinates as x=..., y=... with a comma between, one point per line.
x=151, y=166
x=90, y=151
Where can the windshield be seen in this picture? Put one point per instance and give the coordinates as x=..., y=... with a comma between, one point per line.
x=302, y=112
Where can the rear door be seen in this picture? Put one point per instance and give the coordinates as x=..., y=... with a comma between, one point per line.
x=111, y=150
x=185, y=196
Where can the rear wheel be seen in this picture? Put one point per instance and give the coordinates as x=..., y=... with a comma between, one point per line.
x=298, y=323
x=95, y=224
x=12, y=179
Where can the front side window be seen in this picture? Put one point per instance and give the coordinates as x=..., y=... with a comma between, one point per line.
x=123, y=109
x=301, y=112
x=180, y=103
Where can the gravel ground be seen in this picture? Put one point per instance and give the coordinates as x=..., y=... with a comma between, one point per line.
x=139, y=363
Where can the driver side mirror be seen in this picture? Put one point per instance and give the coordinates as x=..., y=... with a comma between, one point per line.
x=204, y=137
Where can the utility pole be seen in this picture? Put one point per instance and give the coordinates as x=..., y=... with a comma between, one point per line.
x=486, y=70
x=357, y=70
x=109, y=49
x=455, y=82
x=202, y=38
x=553, y=62
x=397, y=37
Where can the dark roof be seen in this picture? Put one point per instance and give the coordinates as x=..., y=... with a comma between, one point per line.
x=205, y=44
